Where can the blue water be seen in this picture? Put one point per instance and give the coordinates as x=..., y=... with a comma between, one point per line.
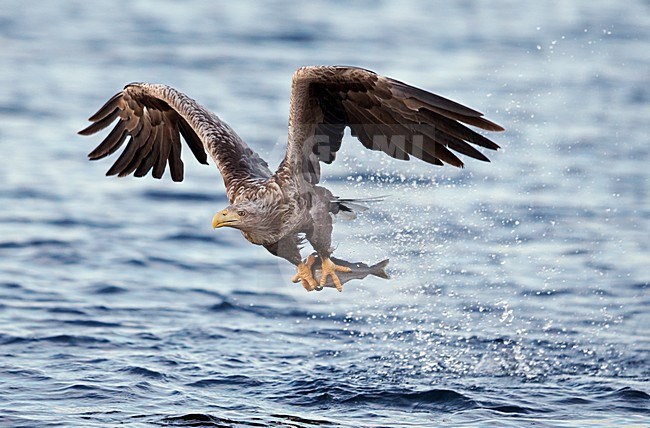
x=520, y=288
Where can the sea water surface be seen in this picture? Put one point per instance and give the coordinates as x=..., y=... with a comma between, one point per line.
x=520, y=287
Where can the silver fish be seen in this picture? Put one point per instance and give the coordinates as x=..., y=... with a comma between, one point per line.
x=358, y=270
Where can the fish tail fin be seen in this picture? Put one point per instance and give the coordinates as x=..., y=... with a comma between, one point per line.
x=379, y=269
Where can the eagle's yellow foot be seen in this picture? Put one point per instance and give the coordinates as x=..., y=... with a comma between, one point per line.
x=329, y=269
x=304, y=275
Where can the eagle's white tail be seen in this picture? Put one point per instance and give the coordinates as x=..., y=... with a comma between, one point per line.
x=347, y=208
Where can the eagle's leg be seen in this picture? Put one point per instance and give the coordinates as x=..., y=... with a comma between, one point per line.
x=304, y=275
x=289, y=249
x=329, y=269
x=320, y=236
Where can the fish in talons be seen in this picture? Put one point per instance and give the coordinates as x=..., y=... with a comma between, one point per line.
x=355, y=270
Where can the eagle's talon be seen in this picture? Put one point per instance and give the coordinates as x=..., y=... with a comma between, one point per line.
x=304, y=275
x=329, y=269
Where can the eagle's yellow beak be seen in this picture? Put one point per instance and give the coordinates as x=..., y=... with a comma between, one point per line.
x=225, y=218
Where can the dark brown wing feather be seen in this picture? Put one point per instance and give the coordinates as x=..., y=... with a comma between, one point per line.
x=151, y=118
x=383, y=113
x=153, y=130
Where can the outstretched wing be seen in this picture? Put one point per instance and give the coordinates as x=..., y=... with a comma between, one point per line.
x=383, y=113
x=152, y=118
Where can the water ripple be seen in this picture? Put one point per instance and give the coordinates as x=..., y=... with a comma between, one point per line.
x=442, y=400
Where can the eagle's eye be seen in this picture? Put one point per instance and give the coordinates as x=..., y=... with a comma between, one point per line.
x=241, y=213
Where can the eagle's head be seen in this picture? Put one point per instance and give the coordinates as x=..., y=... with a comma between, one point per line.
x=253, y=218
x=239, y=216
x=262, y=220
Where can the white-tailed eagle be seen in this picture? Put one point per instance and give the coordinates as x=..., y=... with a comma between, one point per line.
x=277, y=209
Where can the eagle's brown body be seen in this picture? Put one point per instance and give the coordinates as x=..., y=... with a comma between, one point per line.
x=276, y=209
